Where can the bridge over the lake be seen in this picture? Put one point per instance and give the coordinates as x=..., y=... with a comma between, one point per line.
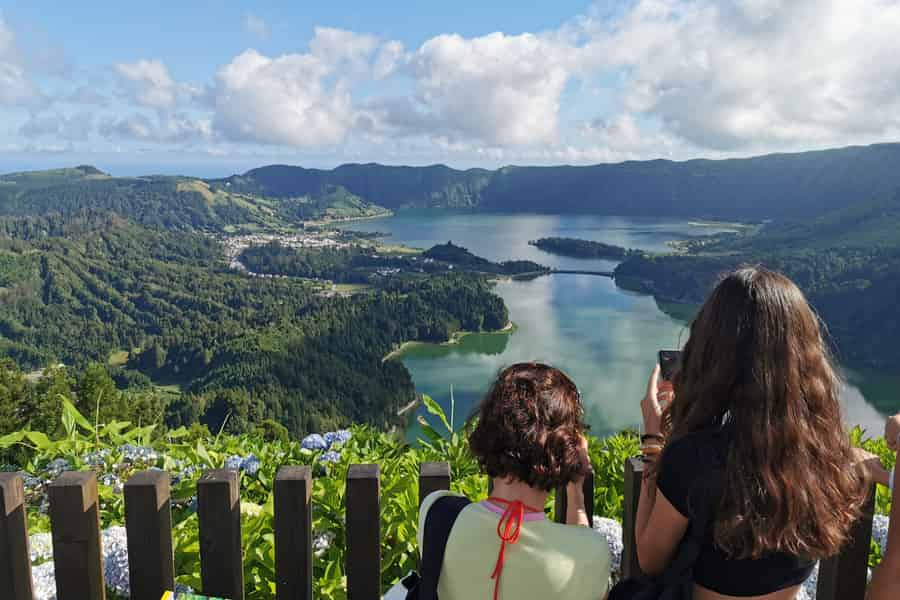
x=534, y=274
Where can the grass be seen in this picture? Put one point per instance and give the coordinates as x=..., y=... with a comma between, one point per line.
x=117, y=359
x=352, y=288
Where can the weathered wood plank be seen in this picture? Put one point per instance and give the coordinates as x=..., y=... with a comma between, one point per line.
x=15, y=563
x=148, y=521
x=293, y=533
x=844, y=577
x=363, y=532
x=219, y=510
x=75, y=526
x=634, y=470
x=433, y=476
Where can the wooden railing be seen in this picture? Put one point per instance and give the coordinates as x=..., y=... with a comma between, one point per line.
x=78, y=558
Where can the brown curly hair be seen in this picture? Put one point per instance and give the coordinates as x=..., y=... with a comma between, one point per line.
x=529, y=428
x=756, y=364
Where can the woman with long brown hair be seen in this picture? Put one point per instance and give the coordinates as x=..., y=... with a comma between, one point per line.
x=753, y=457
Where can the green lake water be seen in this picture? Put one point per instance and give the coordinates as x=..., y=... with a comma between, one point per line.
x=605, y=338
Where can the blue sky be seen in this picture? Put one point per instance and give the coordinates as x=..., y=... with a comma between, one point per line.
x=211, y=88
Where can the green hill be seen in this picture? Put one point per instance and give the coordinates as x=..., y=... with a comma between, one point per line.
x=776, y=186
x=171, y=203
x=847, y=261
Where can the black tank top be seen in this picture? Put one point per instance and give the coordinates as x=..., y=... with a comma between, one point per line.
x=691, y=471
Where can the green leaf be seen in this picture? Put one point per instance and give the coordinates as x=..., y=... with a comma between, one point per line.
x=39, y=439
x=434, y=408
x=202, y=453
x=69, y=409
x=11, y=439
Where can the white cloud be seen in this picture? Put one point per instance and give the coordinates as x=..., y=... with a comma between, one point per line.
x=86, y=94
x=497, y=89
x=77, y=127
x=167, y=128
x=257, y=26
x=736, y=75
x=16, y=89
x=148, y=83
x=673, y=78
x=293, y=99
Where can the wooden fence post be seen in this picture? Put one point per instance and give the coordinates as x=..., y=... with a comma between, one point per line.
x=363, y=566
x=433, y=476
x=844, y=577
x=219, y=510
x=15, y=562
x=75, y=527
x=148, y=523
x=560, y=507
x=634, y=470
x=293, y=533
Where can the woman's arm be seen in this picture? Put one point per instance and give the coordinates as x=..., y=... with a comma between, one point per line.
x=576, y=513
x=659, y=527
x=886, y=581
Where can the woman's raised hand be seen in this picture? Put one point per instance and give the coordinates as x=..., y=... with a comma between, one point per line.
x=650, y=406
x=892, y=432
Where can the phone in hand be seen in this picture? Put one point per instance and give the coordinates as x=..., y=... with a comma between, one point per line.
x=669, y=363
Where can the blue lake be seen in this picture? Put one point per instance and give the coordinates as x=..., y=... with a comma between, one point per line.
x=604, y=337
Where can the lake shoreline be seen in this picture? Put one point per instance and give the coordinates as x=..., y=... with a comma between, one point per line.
x=454, y=340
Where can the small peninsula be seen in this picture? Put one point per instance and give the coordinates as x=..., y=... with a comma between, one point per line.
x=578, y=248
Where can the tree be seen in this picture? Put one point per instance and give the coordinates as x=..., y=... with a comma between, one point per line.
x=97, y=394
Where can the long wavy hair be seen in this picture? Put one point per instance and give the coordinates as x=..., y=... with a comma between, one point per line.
x=757, y=365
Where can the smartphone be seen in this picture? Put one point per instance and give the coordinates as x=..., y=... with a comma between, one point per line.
x=669, y=362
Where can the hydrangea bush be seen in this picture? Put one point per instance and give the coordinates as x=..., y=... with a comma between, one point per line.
x=117, y=450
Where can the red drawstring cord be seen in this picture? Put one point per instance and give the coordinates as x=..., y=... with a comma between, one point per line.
x=508, y=533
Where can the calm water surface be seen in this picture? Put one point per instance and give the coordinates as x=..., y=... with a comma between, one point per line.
x=605, y=338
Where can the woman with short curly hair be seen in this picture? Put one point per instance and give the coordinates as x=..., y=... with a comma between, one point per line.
x=529, y=439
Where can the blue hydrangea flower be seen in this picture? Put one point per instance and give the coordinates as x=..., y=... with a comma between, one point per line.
x=40, y=546
x=138, y=454
x=330, y=457
x=250, y=465
x=115, y=560
x=233, y=462
x=95, y=459
x=341, y=436
x=112, y=480
x=880, y=525
x=57, y=467
x=612, y=531
x=314, y=441
x=44, y=578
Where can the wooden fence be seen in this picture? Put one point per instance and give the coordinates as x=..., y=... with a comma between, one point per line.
x=78, y=559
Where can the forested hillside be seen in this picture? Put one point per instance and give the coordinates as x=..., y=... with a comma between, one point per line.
x=847, y=261
x=82, y=290
x=767, y=187
x=172, y=203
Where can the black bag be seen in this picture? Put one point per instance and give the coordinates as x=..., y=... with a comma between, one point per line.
x=676, y=582
x=441, y=517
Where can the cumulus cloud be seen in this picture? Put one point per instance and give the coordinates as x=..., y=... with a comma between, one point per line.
x=16, y=89
x=148, y=83
x=86, y=94
x=497, y=89
x=166, y=128
x=293, y=99
x=760, y=74
x=256, y=26
x=77, y=127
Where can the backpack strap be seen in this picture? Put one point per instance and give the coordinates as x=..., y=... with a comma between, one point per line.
x=438, y=523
